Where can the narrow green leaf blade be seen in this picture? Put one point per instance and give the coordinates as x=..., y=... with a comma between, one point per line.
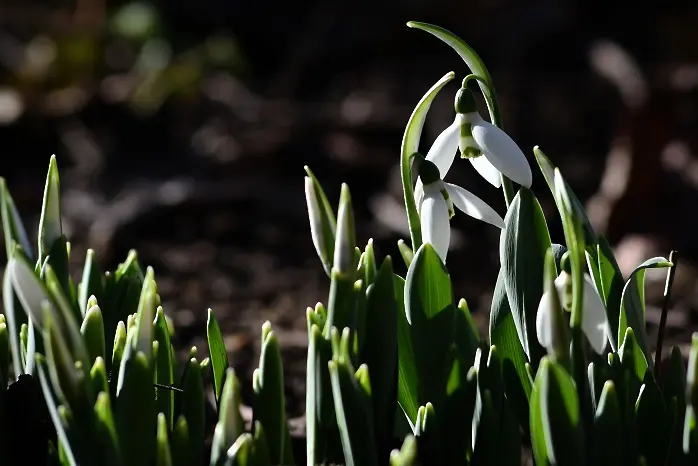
x=164, y=364
x=430, y=313
x=91, y=284
x=380, y=351
x=410, y=145
x=163, y=457
x=523, y=245
x=323, y=224
x=12, y=226
x=353, y=415
x=471, y=58
x=269, y=400
x=408, y=380
x=50, y=228
x=219, y=355
x=632, y=313
x=504, y=336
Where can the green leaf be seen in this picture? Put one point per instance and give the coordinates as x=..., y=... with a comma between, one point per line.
x=117, y=354
x=4, y=357
x=164, y=368
x=145, y=316
x=369, y=263
x=13, y=326
x=427, y=431
x=673, y=382
x=631, y=355
x=407, y=455
x=692, y=373
x=380, y=351
x=50, y=228
x=485, y=429
x=163, y=457
x=471, y=59
x=653, y=424
x=522, y=248
x=260, y=448
x=467, y=335
x=314, y=393
x=58, y=260
x=53, y=412
x=191, y=406
x=341, y=303
x=607, y=430
x=67, y=316
x=632, y=312
x=352, y=407
x=405, y=252
x=611, y=289
x=106, y=431
x=431, y=315
x=690, y=436
x=230, y=424
x=410, y=145
x=557, y=435
x=30, y=290
x=461, y=395
x=92, y=330
x=12, y=226
x=64, y=373
x=345, y=242
x=218, y=352
x=91, y=284
x=504, y=336
x=690, y=430
x=408, y=380
x=548, y=170
x=98, y=376
x=135, y=400
x=559, y=349
x=181, y=455
x=510, y=432
x=323, y=224
x=269, y=400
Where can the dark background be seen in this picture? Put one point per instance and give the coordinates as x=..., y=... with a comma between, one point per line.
x=182, y=127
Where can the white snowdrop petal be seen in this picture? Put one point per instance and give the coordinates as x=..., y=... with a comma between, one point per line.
x=472, y=205
x=444, y=149
x=486, y=170
x=418, y=193
x=436, y=229
x=543, y=330
x=594, y=321
x=502, y=152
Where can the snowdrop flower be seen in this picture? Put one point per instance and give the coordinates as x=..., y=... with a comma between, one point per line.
x=594, y=322
x=491, y=151
x=435, y=206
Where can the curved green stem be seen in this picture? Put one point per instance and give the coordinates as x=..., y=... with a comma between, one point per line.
x=480, y=72
x=410, y=145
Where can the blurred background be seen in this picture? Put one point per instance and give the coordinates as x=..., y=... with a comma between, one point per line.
x=182, y=127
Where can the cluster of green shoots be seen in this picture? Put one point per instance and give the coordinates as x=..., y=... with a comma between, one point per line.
x=397, y=372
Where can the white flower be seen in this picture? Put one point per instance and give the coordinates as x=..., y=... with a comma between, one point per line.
x=435, y=207
x=490, y=150
x=594, y=322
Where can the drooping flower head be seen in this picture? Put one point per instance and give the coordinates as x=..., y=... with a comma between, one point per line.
x=489, y=149
x=594, y=321
x=436, y=207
